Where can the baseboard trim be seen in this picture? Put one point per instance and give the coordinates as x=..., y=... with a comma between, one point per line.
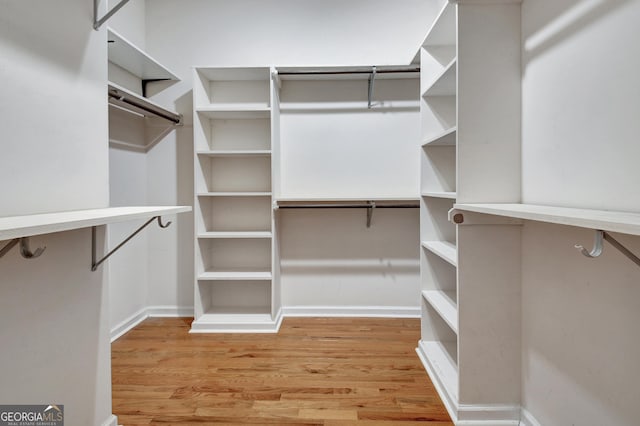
x=144, y=313
x=352, y=311
x=527, y=419
x=111, y=421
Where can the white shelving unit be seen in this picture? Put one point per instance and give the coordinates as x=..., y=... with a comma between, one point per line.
x=470, y=154
x=236, y=267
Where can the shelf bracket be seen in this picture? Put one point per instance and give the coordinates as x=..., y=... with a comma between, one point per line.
x=95, y=263
x=25, y=251
x=599, y=237
x=97, y=23
x=150, y=80
x=370, y=207
x=372, y=79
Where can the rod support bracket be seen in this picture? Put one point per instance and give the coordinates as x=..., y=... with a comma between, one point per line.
x=370, y=207
x=598, y=247
x=25, y=251
x=95, y=262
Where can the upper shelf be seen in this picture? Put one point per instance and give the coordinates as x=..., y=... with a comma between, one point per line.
x=133, y=59
x=613, y=221
x=349, y=73
x=26, y=226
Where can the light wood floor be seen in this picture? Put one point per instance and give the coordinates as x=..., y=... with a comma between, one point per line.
x=315, y=371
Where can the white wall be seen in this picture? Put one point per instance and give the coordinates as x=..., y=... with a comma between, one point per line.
x=53, y=112
x=257, y=33
x=581, y=96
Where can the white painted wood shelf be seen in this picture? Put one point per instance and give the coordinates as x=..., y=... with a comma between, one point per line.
x=441, y=366
x=445, y=83
x=234, y=111
x=605, y=220
x=345, y=200
x=235, y=275
x=235, y=153
x=443, y=249
x=446, y=138
x=235, y=194
x=46, y=223
x=135, y=60
x=440, y=194
x=235, y=234
x=444, y=303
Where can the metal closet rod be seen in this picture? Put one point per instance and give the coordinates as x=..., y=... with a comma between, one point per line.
x=351, y=206
x=347, y=72
x=147, y=107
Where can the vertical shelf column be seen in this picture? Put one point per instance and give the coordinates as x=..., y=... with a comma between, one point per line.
x=234, y=224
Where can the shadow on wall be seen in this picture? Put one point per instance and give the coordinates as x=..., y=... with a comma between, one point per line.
x=550, y=22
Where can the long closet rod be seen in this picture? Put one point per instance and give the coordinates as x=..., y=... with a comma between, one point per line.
x=123, y=99
x=370, y=206
x=355, y=71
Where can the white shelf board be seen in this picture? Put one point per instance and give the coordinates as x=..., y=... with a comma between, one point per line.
x=442, y=369
x=446, y=138
x=440, y=194
x=37, y=224
x=444, y=304
x=235, y=194
x=236, y=153
x=234, y=74
x=446, y=83
x=346, y=73
x=235, y=234
x=443, y=30
x=444, y=250
x=133, y=59
x=235, y=275
x=228, y=112
x=605, y=220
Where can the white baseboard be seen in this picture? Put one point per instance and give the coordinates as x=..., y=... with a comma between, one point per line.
x=150, y=311
x=352, y=311
x=128, y=324
x=111, y=421
x=527, y=419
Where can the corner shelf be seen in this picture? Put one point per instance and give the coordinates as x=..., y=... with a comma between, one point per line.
x=605, y=220
x=443, y=303
x=443, y=249
x=133, y=59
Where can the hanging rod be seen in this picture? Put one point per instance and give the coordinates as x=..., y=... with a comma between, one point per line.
x=369, y=206
x=97, y=23
x=598, y=247
x=132, y=102
x=353, y=71
x=95, y=263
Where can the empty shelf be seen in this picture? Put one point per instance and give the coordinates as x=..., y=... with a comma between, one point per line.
x=445, y=84
x=234, y=111
x=444, y=303
x=440, y=194
x=605, y=220
x=443, y=249
x=25, y=226
x=236, y=153
x=128, y=56
x=236, y=234
x=442, y=368
x=446, y=138
x=235, y=275
x=235, y=194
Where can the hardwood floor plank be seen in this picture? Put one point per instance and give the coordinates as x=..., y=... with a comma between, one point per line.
x=315, y=371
